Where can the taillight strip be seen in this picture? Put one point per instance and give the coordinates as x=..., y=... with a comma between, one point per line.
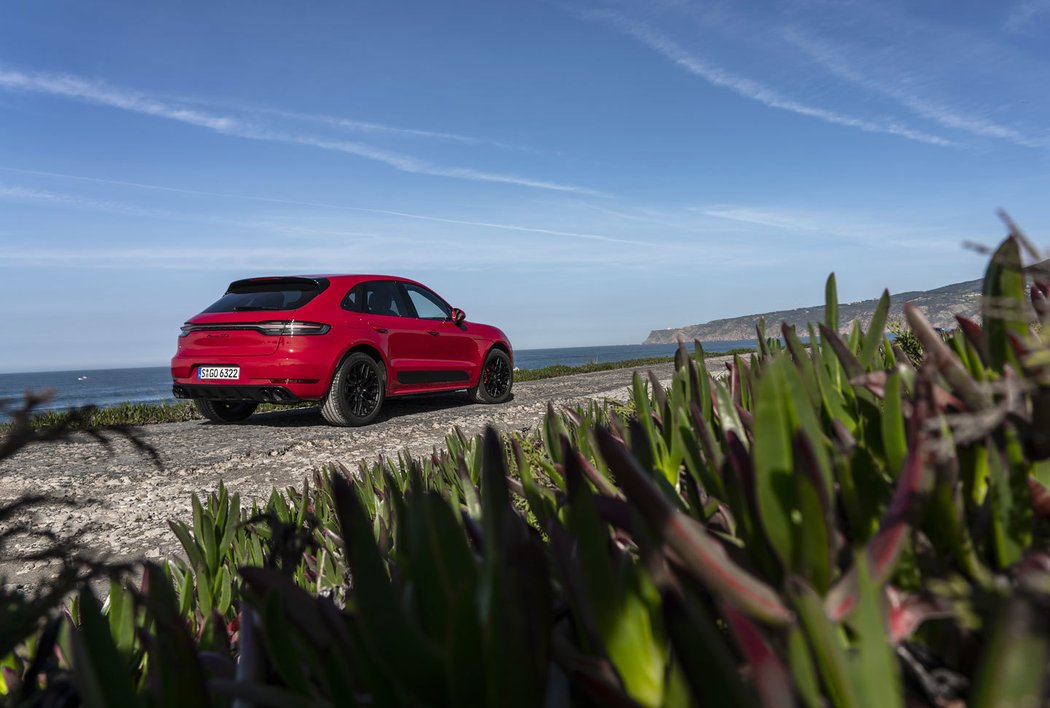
x=272, y=328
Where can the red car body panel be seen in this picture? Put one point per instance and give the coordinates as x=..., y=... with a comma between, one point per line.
x=420, y=355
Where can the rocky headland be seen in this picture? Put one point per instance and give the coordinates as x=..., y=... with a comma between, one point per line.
x=940, y=306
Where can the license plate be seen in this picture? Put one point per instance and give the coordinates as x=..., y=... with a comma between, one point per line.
x=219, y=372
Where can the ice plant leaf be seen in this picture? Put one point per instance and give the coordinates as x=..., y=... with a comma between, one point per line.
x=772, y=458
x=393, y=642
x=769, y=673
x=102, y=674
x=885, y=547
x=831, y=304
x=1002, y=302
x=876, y=327
x=976, y=397
x=842, y=351
x=831, y=659
x=704, y=557
x=894, y=443
x=1012, y=671
x=875, y=664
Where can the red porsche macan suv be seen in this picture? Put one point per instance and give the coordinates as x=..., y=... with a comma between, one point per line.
x=346, y=341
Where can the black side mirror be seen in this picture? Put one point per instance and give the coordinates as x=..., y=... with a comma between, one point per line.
x=458, y=315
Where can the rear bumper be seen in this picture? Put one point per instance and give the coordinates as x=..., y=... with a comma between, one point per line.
x=224, y=392
x=282, y=378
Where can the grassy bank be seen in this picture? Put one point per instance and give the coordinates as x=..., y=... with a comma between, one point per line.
x=150, y=413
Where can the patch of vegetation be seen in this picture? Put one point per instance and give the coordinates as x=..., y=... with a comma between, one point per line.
x=550, y=372
x=825, y=526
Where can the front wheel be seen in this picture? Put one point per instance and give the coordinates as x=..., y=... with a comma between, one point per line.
x=356, y=393
x=496, y=378
x=223, y=411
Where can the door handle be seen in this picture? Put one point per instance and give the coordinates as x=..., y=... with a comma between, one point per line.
x=381, y=330
x=433, y=332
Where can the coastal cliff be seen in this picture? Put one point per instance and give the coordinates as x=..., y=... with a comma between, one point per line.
x=940, y=306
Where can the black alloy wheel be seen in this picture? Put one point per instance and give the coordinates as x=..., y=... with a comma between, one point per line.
x=362, y=389
x=496, y=378
x=356, y=393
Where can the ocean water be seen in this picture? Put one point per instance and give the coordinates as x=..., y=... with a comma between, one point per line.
x=107, y=387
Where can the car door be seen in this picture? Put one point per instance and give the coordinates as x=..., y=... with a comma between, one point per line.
x=385, y=310
x=447, y=353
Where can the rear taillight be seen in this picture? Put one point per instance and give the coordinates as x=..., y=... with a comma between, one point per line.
x=291, y=328
x=273, y=328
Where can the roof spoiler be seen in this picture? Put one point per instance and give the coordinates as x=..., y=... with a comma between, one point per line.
x=280, y=280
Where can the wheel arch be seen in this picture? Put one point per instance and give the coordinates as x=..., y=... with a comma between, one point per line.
x=499, y=344
x=502, y=346
x=369, y=349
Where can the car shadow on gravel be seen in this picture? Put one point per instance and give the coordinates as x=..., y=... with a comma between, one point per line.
x=309, y=417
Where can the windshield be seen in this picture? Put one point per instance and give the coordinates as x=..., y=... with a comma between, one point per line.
x=269, y=294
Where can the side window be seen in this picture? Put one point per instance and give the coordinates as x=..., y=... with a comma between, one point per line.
x=354, y=300
x=428, y=305
x=381, y=297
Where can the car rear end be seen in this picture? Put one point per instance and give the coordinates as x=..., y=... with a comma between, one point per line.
x=263, y=341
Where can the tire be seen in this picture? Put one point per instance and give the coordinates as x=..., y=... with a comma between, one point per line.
x=496, y=378
x=223, y=411
x=356, y=393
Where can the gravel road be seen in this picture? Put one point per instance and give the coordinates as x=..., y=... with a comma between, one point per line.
x=122, y=502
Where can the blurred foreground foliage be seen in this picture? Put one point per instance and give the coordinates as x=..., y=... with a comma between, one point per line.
x=825, y=525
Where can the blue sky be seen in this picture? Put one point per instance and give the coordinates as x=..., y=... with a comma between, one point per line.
x=576, y=173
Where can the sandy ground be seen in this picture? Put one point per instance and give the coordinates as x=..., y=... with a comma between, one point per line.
x=121, y=502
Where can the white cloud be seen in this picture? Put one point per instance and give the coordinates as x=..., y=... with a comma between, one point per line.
x=836, y=63
x=16, y=193
x=367, y=127
x=317, y=205
x=97, y=93
x=1023, y=13
x=751, y=89
x=76, y=88
x=835, y=225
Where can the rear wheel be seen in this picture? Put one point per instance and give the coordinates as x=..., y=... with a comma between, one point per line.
x=356, y=393
x=496, y=378
x=224, y=411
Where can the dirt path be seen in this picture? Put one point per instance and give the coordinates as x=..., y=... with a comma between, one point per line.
x=123, y=502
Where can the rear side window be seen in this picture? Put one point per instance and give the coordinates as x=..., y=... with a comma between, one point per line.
x=376, y=297
x=268, y=294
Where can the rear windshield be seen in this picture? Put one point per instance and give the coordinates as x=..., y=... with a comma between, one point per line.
x=271, y=294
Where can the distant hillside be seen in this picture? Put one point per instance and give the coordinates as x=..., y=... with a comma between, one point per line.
x=940, y=306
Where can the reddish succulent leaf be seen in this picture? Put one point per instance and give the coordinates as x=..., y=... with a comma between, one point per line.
x=600, y=481
x=770, y=675
x=702, y=556
x=707, y=442
x=974, y=335
x=901, y=358
x=908, y=610
x=874, y=381
x=594, y=674
x=947, y=363
x=1039, y=299
x=885, y=547
x=1021, y=349
x=846, y=357
x=734, y=380
x=1040, y=498
x=745, y=416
